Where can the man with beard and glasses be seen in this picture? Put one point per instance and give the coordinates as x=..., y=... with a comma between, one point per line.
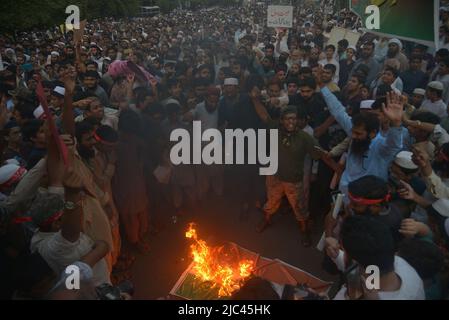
x=394, y=52
x=370, y=152
x=367, y=58
x=294, y=145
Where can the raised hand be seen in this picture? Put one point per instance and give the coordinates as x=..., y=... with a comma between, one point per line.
x=69, y=80
x=255, y=93
x=394, y=109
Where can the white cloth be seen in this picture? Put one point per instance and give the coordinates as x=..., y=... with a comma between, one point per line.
x=412, y=287
x=60, y=253
x=437, y=107
x=209, y=120
x=445, y=81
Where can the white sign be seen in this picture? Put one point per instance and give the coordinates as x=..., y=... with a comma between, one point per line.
x=280, y=17
x=338, y=34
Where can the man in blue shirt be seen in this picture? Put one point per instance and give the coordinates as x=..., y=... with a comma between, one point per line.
x=370, y=153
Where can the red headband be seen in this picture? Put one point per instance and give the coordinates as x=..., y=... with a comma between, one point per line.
x=15, y=177
x=368, y=202
x=52, y=219
x=45, y=223
x=444, y=156
x=98, y=138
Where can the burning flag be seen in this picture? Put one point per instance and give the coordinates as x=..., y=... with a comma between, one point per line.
x=217, y=266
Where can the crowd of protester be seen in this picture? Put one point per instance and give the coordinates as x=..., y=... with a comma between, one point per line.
x=368, y=120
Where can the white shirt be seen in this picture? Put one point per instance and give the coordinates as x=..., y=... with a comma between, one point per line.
x=59, y=253
x=437, y=107
x=209, y=120
x=412, y=287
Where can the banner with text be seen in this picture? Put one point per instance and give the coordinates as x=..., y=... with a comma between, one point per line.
x=280, y=17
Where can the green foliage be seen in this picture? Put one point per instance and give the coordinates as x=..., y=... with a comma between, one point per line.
x=27, y=14
x=18, y=15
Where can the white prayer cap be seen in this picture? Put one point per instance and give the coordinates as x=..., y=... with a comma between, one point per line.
x=419, y=91
x=59, y=90
x=442, y=207
x=39, y=112
x=12, y=161
x=366, y=104
x=396, y=41
x=231, y=82
x=437, y=85
x=353, y=48
x=10, y=174
x=55, y=53
x=404, y=160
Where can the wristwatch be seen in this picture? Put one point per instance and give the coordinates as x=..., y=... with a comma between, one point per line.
x=68, y=205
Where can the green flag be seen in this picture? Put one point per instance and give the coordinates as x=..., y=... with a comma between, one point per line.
x=413, y=20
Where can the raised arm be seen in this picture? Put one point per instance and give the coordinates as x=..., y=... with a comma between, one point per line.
x=258, y=106
x=337, y=110
x=433, y=182
x=56, y=170
x=393, y=110
x=68, y=119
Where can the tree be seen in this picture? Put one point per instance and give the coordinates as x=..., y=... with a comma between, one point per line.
x=18, y=15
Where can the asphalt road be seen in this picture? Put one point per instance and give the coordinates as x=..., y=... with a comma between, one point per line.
x=218, y=221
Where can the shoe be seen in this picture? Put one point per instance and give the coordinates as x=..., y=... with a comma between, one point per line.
x=306, y=238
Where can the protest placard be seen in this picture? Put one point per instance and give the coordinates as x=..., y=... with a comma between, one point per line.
x=280, y=16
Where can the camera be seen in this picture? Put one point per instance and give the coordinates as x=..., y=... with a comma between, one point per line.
x=109, y=292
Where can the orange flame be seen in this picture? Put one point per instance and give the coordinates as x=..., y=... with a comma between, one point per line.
x=209, y=265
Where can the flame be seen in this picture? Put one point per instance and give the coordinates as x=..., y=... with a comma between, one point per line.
x=209, y=265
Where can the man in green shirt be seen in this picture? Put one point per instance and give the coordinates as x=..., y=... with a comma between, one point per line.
x=294, y=145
